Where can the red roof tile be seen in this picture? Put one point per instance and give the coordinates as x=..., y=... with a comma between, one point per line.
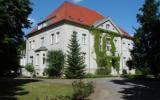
x=125, y=34
x=72, y=12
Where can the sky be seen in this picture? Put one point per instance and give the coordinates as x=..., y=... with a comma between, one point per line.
x=122, y=12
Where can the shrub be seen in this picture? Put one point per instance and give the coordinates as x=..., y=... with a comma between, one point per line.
x=55, y=61
x=30, y=68
x=90, y=75
x=103, y=71
x=82, y=90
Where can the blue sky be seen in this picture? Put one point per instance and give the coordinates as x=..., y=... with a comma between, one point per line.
x=122, y=12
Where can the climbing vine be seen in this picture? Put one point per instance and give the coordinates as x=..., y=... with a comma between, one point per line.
x=104, y=60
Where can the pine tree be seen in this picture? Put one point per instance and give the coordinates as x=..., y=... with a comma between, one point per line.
x=146, y=51
x=75, y=63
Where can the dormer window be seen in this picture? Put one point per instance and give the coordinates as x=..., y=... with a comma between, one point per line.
x=42, y=25
x=107, y=26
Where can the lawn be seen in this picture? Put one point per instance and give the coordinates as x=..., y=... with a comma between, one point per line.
x=29, y=89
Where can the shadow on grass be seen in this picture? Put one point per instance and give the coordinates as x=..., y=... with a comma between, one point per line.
x=10, y=88
x=139, y=89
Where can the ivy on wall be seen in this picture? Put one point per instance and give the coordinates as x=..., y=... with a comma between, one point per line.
x=105, y=60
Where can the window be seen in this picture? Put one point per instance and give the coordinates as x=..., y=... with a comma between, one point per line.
x=108, y=48
x=84, y=56
x=107, y=26
x=108, y=42
x=42, y=41
x=44, y=59
x=42, y=25
x=100, y=43
x=33, y=44
x=30, y=45
x=31, y=59
x=83, y=38
x=37, y=59
x=57, y=37
x=100, y=39
x=52, y=38
x=74, y=32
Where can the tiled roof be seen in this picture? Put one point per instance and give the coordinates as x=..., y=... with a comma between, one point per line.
x=72, y=12
x=125, y=34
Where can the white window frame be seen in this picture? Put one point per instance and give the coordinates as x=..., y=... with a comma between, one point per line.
x=107, y=26
x=108, y=48
x=42, y=41
x=57, y=37
x=37, y=59
x=84, y=38
x=30, y=45
x=52, y=38
x=33, y=44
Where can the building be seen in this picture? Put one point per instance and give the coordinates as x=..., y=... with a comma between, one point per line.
x=54, y=33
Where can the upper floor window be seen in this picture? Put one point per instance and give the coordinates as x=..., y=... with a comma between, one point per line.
x=33, y=44
x=107, y=26
x=108, y=48
x=57, y=37
x=31, y=59
x=42, y=41
x=100, y=43
x=52, y=38
x=42, y=25
x=83, y=38
x=108, y=41
x=30, y=45
x=74, y=32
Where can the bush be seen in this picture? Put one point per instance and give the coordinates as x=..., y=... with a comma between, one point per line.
x=30, y=68
x=82, y=90
x=55, y=61
x=103, y=71
x=90, y=75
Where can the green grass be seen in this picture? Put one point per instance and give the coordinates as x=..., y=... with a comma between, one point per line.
x=25, y=89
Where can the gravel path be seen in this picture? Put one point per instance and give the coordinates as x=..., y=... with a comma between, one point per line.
x=107, y=90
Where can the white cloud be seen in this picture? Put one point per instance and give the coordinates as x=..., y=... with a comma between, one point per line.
x=77, y=1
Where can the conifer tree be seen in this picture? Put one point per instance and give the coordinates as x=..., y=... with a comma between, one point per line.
x=75, y=63
x=146, y=51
